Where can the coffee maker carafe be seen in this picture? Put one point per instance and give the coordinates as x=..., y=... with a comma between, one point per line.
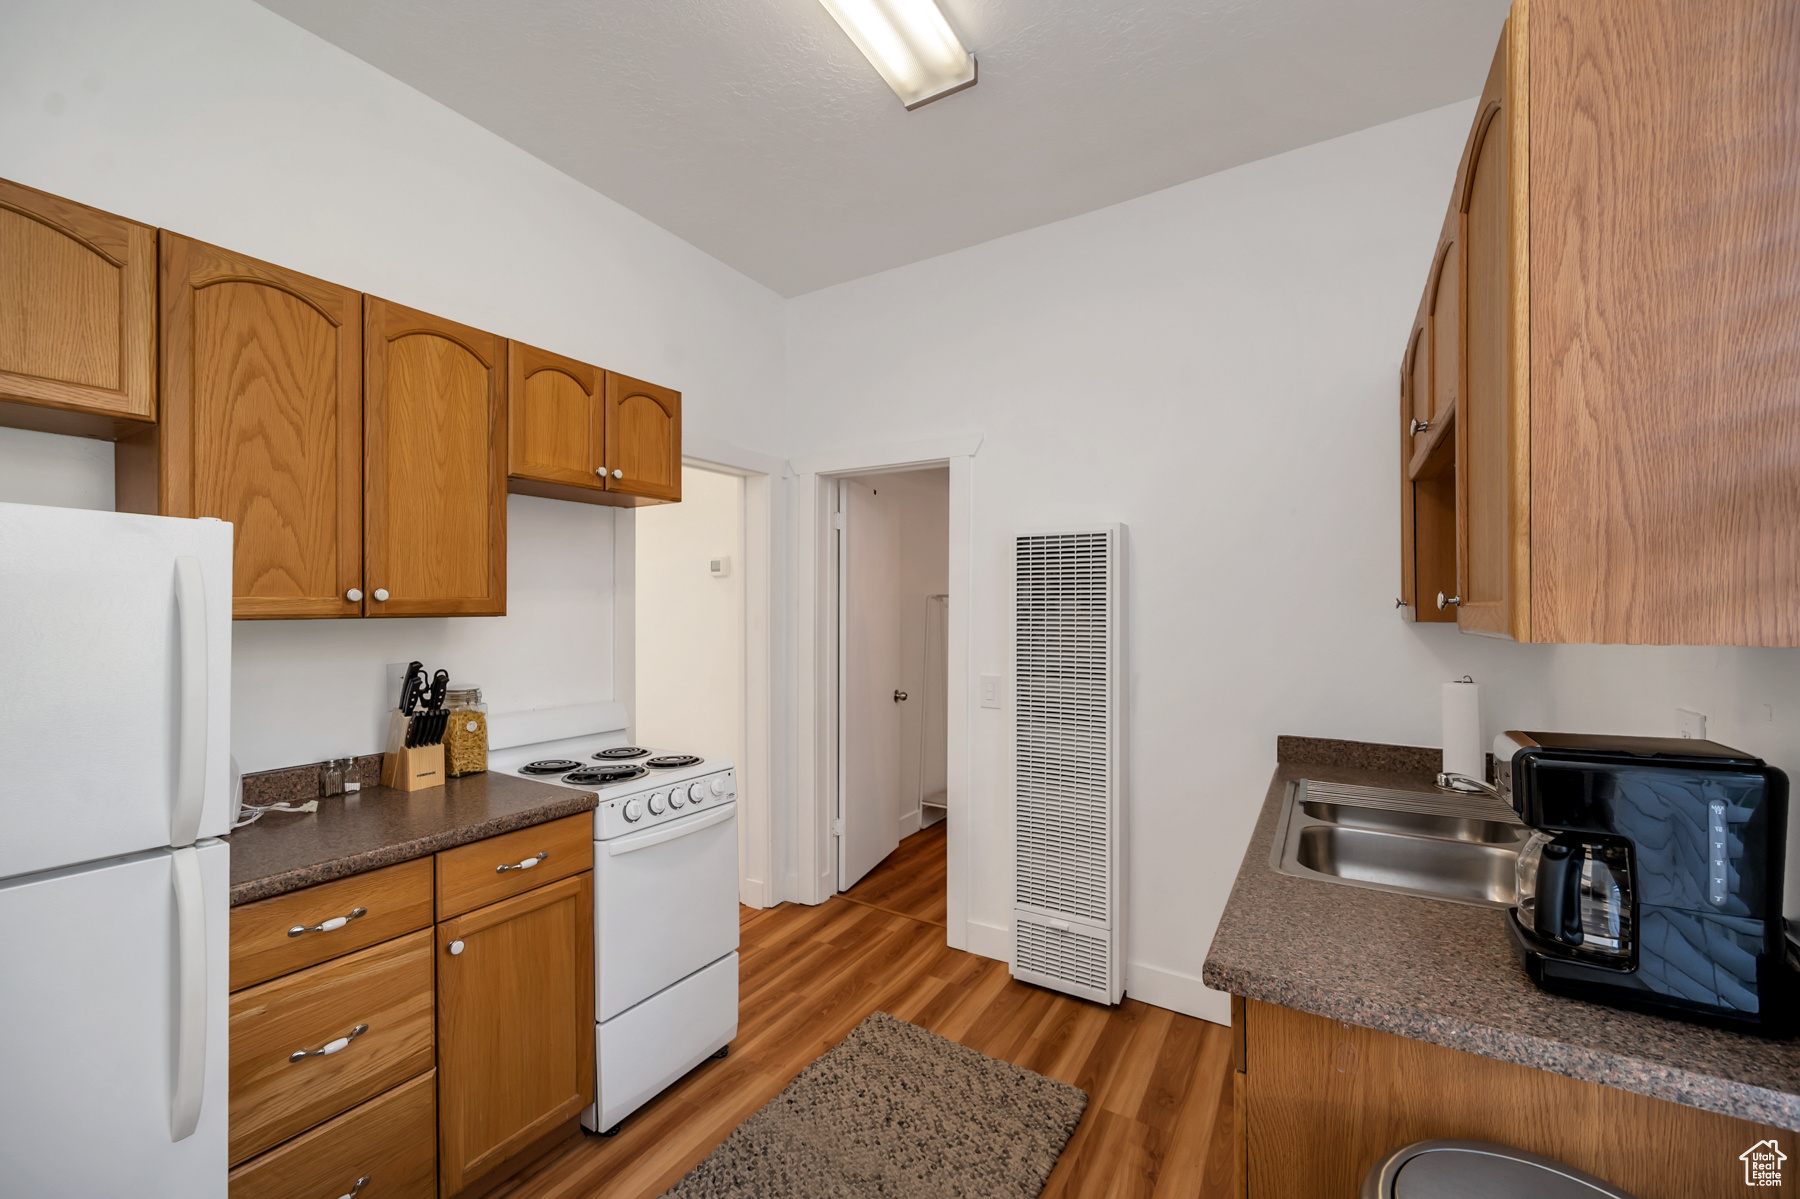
x=1653, y=876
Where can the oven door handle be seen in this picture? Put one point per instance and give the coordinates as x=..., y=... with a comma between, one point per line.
x=668, y=832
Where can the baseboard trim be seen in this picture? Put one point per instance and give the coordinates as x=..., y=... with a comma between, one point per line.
x=1177, y=992
x=989, y=940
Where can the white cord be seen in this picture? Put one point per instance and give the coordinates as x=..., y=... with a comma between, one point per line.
x=255, y=812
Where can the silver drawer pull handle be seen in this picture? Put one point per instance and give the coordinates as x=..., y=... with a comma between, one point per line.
x=527, y=864
x=331, y=925
x=329, y=1048
x=360, y=1184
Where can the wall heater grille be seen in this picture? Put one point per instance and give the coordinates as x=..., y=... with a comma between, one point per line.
x=1069, y=773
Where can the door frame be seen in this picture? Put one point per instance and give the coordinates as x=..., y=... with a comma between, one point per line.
x=816, y=770
x=760, y=774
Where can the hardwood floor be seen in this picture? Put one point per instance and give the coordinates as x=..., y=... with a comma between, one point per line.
x=1159, y=1115
x=910, y=881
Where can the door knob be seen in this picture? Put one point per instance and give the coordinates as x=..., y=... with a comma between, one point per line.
x=353, y=595
x=381, y=595
x=899, y=697
x=1445, y=603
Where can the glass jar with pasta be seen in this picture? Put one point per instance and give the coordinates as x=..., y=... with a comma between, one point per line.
x=465, y=736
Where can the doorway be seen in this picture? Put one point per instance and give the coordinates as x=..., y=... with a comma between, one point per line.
x=892, y=665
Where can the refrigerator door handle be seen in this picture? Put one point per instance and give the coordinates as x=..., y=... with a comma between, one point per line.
x=190, y=761
x=190, y=993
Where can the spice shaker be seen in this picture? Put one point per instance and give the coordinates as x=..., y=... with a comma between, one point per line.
x=465, y=740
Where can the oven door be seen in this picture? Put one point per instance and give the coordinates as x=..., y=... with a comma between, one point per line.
x=665, y=905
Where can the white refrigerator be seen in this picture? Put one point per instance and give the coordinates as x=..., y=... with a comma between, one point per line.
x=115, y=677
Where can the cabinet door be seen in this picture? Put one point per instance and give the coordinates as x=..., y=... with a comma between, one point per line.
x=261, y=426
x=1493, y=420
x=434, y=411
x=643, y=439
x=556, y=419
x=77, y=316
x=515, y=1026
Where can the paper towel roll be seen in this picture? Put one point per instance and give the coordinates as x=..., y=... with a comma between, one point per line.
x=1462, y=731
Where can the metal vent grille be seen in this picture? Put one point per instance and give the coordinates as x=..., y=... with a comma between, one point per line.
x=1062, y=695
x=1061, y=954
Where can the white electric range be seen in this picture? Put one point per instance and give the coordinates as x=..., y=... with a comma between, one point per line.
x=665, y=907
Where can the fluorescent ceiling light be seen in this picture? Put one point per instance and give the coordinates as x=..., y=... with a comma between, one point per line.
x=910, y=43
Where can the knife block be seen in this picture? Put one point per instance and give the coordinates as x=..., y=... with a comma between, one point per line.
x=410, y=768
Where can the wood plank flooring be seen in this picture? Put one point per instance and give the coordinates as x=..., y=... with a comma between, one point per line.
x=1159, y=1115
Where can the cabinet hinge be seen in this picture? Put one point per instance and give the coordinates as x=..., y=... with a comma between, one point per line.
x=837, y=828
x=837, y=520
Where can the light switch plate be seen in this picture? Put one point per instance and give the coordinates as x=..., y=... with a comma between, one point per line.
x=990, y=691
x=720, y=566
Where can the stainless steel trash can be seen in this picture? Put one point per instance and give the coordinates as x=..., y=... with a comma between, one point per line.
x=1478, y=1170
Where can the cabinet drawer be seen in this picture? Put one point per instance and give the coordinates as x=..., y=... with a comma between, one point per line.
x=385, y=990
x=391, y=1140
x=471, y=876
x=265, y=945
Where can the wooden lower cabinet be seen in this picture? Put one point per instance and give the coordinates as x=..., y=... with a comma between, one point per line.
x=1323, y=1100
x=515, y=1006
x=384, y=990
x=390, y=1141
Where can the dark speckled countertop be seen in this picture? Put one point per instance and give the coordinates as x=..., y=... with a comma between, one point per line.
x=379, y=826
x=1446, y=973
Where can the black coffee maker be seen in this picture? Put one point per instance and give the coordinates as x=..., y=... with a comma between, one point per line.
x=1653, y=879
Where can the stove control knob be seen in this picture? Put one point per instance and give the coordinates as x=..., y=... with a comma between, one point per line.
x=718, y=785
x=697, y=792
x=657, y=806
x=634, y=811
x=675, y=799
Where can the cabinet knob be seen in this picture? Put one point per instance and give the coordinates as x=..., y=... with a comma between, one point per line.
x=381, y=595
x=618, y=474
x=357, y=1189
x=527, y=864
x=455, y=948
x=1400, y=603
x=328, y=926
x=1446, y=602
x=601, y=471
x=899, y=697
x=1420, y=426
x=353, y=595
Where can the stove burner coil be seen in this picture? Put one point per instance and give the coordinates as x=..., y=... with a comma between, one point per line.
x=672, y=760
x=601, y=775
x=620, y=753
x=550, y=766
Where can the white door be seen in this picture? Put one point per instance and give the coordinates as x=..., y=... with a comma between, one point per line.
x=868, y=680
x=665, y=904
x=101, y=1052
x=115, y=684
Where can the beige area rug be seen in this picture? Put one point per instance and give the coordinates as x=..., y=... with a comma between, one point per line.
x=896, y=1111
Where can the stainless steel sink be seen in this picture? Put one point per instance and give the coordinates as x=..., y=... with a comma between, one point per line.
x=1433, y=844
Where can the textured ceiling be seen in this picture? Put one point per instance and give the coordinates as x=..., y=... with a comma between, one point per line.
x=755, y=130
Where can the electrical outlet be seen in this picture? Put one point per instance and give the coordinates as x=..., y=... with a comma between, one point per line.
x=990, y=691
x=720, y=566
x=1693, y=724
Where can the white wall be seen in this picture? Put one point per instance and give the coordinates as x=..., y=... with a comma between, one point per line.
x=1215, y=365
x=919, y=506
x=690, y=625
x=220, y=120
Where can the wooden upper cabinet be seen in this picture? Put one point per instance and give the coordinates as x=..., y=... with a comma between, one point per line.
x=261, y=426
x=1665, y=321
x=434, y=541
x=1627, y=328
x=643, y=439
x=556, y=424
x=515, y=1018
x=77, y=316
x=1493, y=518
